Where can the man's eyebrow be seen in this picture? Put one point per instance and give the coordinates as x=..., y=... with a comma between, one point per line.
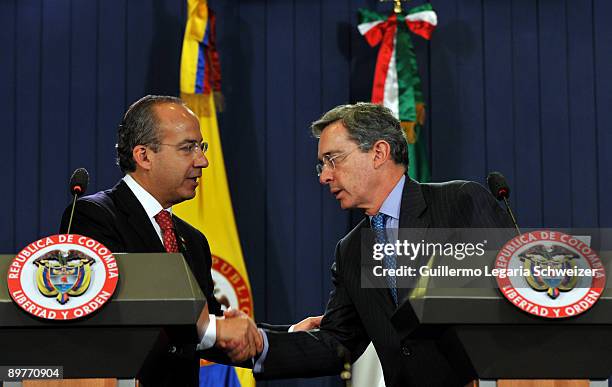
x=331, y=152
x=189, y=141
x=328, y=153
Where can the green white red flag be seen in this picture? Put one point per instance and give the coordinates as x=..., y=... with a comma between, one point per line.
x=396, y=79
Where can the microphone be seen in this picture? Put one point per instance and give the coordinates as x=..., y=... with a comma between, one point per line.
x=79, y=181
x=77, y=187
x=498, y=185
x=499, y=188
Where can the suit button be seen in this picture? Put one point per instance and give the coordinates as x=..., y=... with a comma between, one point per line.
x=406, y=350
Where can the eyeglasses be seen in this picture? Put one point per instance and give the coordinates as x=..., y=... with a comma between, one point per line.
x=330, y=161
x=190, y=148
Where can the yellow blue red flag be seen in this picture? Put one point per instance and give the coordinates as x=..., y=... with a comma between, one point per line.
x=211, y=210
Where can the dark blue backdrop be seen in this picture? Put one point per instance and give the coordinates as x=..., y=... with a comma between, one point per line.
x=520, y=86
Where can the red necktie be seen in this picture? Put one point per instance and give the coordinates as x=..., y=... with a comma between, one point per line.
x=164, y=219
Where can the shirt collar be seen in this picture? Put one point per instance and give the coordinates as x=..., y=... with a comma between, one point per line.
x=392, y=204
x=148, y=202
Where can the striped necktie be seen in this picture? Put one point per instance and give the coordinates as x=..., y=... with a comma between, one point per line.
x=379, y=222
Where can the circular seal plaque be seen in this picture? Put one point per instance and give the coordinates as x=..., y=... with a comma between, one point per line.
x=62, y=277
x=558, y=274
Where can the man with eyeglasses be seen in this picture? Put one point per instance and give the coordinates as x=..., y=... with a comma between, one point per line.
x=161, y=152
x=364, y=160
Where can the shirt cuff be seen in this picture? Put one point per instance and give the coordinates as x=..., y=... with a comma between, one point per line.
x=210, y=336
x=291, y=328
x=258, y=365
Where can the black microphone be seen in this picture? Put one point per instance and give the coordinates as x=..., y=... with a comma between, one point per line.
x=77, y=187
x=501, y=190
x=498, y=185
x=79, y=181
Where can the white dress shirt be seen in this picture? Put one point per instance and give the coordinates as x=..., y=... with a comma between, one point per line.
x=152, y=208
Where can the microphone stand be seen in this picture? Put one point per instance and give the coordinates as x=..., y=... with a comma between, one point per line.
x=518, y=231
x=72, y=211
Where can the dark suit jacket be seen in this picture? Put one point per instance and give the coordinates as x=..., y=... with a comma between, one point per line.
x=356, y=315
x=116, y=219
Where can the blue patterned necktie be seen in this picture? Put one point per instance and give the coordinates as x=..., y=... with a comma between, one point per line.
x=379, y=222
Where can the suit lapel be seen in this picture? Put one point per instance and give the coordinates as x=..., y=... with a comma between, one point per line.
x=361, y=252
x=413, y=206
x=412, y=216
x=137, y=218
x=415, y=222
x=181, y=231
x=361, y=249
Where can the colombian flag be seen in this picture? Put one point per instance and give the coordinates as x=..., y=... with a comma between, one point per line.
x=211, y=210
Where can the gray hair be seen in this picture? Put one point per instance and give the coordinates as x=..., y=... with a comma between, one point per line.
x=139, y=127
x=367, y=123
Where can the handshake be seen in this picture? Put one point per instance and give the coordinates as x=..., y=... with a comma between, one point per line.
x=239, y=337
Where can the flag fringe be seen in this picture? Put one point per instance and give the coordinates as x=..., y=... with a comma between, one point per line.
x=198, y=103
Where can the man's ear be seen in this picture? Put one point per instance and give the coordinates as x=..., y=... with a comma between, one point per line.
x=382, y=152
x=142, y=156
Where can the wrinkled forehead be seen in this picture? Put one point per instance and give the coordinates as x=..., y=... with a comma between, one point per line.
x=334, y=139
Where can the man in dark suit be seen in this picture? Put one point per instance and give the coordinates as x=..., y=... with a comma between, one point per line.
x=160, y=149
x=363, y=159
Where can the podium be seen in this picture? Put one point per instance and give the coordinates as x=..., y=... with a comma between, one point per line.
x=488, y=338
x=155, y=306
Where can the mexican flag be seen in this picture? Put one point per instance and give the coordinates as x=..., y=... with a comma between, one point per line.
x=396, y=79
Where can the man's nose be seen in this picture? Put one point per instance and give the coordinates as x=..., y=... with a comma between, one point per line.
x=200, y=161
x=326, y=175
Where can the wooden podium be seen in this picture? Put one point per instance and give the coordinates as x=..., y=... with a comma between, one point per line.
x=156, y=305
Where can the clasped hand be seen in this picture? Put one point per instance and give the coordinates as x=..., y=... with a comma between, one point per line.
x=238, y=336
